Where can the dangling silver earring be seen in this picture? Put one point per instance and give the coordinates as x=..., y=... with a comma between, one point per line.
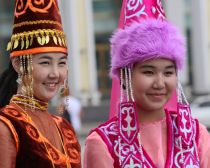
x=63, y=93
x=19, y=80
x=64, y=87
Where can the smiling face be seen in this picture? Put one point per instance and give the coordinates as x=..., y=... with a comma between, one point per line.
x=153, y=83
x=49, y=72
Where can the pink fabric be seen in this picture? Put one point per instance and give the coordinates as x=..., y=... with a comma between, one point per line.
x=115, y=96
x=122, y=16
x=96, y=153
x=135, y=11
x=154, y=140
x=171, y=105
x=204, y=147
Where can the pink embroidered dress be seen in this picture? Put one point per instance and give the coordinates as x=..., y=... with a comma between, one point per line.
x=175, y=141
x=154, y=140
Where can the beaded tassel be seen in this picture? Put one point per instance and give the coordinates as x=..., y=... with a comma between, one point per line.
x=119, y=142
x=125, y=79
x=130, y=84
x=196, y=150
x=121, y=85
x=182, y=155
x=140, y=146
x=26, y=77
x=127, y=84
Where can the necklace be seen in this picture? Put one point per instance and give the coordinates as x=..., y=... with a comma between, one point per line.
x=59, y=133
x=29, y=102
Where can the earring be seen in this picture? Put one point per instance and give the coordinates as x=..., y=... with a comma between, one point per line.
x=19, y=79
x=63, y=94
x=30, y=76
x=64, y=89
x=25, y=78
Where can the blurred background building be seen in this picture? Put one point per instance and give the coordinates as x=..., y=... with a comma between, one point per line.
x=89, y=24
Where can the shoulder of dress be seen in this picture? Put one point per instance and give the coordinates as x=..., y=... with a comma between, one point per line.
x=8, y=107
x=108, y=129
x=59, y=119
x=12, y=129
x=63, y=124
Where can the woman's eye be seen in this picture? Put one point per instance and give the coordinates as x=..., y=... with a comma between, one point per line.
x=148, y=72
x=169, y=73
x=62, y=63
x=44, y=63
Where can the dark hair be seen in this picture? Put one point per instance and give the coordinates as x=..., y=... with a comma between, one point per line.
x=8, y=85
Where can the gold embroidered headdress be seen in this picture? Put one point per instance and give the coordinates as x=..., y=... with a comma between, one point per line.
x=37, y=28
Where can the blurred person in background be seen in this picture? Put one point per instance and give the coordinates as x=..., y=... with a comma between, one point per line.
x=74, y=108
x=29, y=135
x=147, y=52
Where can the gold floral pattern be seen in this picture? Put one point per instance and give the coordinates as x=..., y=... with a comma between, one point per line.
x=70, y=141
x=14, y=113
x=52, y=152
x=73, y=154
x=69, y=135
x=32, y=132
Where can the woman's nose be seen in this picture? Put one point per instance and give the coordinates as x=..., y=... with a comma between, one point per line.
x=159, y=82
x=54, y=72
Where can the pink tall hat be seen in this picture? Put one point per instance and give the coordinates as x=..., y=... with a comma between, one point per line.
x=145, y=34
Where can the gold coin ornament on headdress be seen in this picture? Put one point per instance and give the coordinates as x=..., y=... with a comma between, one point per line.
x=42, y=36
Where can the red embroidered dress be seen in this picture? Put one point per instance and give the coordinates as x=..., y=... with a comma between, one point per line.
x=33, y=149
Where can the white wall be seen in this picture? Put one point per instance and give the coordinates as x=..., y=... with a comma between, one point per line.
x=200, y=47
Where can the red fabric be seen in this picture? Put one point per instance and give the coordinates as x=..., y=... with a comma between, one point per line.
x=39, y=142
x=41, y=16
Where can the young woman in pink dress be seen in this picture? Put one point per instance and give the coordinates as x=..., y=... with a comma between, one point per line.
x=147, y=53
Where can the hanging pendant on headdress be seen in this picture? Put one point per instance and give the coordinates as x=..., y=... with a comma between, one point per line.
x=187, y=131
x=128, y=121
x=184, y=117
